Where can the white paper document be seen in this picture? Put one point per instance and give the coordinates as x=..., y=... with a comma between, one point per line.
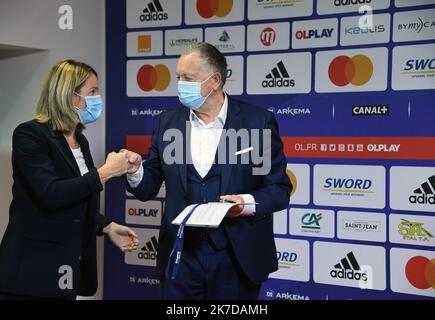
x=208, y=215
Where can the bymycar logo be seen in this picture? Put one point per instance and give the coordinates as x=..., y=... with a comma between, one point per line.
x=419, y=67
x=153, y=77
x=153, y=12
x=371, y=110
x=425, y=194
x=348, y=268
x=278, y=77
x=418, y=25
x=314, y=33
x=149, y=251
x=356, y=70
x=268, y=36
x=212, y=8
x=339, y=3
x=414, y=231
x=420, y=272
x=348, y=185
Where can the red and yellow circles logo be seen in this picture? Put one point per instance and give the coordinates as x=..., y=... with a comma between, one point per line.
x=420, y=272
x=344, y=70
x=210, y=8
x=153, y=77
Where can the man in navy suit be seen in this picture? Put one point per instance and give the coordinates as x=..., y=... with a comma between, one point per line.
x=229, y=262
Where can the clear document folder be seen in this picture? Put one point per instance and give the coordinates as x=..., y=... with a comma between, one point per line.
x=208, y=215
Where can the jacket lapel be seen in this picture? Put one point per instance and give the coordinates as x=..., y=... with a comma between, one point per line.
x=232, y=122
x=184, y=126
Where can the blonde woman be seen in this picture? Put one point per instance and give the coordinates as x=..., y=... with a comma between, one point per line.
x=49, y=247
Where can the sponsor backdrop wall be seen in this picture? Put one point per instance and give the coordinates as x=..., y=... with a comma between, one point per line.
x=352, y=84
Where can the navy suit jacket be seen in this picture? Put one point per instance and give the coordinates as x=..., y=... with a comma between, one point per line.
x=250, y=237
x=53, y=217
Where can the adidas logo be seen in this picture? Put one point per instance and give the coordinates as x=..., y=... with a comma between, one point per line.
x=348, y=268
x=153, y=12
x=425, y=194
x=278, y=77
x=149, y=251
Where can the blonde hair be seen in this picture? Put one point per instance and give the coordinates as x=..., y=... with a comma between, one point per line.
x=55, y=105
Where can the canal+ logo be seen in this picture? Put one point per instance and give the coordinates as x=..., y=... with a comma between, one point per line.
x=214, y=8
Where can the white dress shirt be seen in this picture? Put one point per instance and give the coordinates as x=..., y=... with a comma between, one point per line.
x=203, y=146
x=80, y=159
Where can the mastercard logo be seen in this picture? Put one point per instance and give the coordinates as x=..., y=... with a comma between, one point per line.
x=420, y=272
x=153, y=77
x=211, y=8
x=357, y=70
x=293, y=180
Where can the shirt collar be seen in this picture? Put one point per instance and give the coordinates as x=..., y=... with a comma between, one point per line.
x=221, y=117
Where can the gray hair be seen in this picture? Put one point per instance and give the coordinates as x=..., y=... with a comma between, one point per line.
x=211, y=56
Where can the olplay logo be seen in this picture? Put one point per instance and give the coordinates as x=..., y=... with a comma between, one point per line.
x=213, y=11
x=415, y=190
x=315, y=33
x=340, y=6
x=414, y=67
x=349, y=186
x=269, y=36
x=299, y=175
x=293, y=260
x=354, y=34
x=366, y=226
x=414, y=25
x=275, y=9
x=143, y=213
x=352, y=70
x=153, y=13
x=411, y=229
x=141, y=44
x=412, y=271
x=349, y=265
x=312, y=222
x=279, y=73
x=147, y=254
x=226, y=39
x=151, y=78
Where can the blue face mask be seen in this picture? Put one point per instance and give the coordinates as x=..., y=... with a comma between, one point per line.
x=93, y=109
x=189, y=93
